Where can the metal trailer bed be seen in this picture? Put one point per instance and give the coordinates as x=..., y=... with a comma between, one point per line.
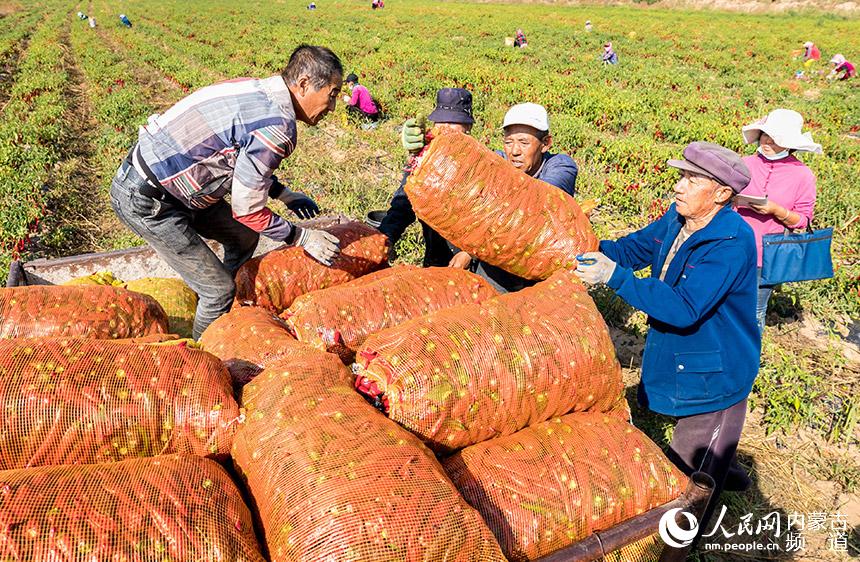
x=135, y=263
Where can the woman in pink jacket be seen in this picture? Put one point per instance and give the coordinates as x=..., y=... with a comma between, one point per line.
x=786, y=182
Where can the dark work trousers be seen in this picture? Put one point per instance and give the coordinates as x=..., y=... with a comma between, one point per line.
x=356, y=111
x=708, y=442
x=176, y=233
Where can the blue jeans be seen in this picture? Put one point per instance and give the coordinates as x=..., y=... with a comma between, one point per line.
x=764, y=292
x=176, y=234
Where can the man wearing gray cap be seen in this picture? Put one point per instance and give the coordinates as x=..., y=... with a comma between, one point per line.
x=702, y=351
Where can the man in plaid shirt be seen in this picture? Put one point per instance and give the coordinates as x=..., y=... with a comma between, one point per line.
x=226, y=139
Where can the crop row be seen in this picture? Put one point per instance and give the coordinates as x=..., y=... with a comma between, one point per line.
x=31, y=132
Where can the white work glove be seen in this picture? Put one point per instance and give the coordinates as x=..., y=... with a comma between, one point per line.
x=599, y=270
x=321, y=245
x=299, y=203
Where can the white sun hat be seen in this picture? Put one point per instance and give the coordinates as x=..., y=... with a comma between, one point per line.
x=837, y=59
x=808, y=44
x=784, y=127
x=531, y=114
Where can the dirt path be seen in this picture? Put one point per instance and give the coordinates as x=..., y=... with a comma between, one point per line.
x=9, y=67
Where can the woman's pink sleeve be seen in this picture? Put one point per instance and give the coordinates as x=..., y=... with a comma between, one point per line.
x=805, y=203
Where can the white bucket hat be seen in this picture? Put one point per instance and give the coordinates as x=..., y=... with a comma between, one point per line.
x=784, y=127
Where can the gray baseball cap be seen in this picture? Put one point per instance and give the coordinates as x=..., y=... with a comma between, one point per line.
x=716, y=162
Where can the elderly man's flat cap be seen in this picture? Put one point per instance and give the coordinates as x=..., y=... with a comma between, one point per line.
x=716, y=162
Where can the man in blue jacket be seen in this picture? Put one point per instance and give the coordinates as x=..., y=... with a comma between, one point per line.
x=702, y=351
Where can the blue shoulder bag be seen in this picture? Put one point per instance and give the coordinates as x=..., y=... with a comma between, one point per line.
x=800, y=256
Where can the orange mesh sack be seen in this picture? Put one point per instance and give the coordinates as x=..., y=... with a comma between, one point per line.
x=339, y=319
x=486, y=207
x=175, y=297
x=557, y=482
x=247, y=339
x=333, y=479
x=470, y=373
x=173, y=507
x=275, y=279
x=96, y=311
x=78, y=401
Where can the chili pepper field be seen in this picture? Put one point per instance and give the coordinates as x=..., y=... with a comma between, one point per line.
x=73, y=96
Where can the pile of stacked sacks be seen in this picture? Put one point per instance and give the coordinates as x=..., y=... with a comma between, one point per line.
x=371, y=413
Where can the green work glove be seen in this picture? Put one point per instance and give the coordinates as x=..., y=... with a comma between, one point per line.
x=412, y=135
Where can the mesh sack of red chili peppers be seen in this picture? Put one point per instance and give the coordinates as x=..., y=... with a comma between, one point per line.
x=247, y=339
x=79, y=401
x=559, y=481
x=275, y=279
x=490, y=209
x=340, y=319
x=333, y=479
x=469, y=373
x=96, y=311
x=173, y=507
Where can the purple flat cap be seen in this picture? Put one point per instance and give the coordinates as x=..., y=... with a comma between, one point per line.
x=716, y=162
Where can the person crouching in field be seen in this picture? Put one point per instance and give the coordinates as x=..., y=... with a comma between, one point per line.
x=360, y=103
x=226, y=139
x=520, y=39
x=609, y=55
x=703, y=344
x=453, y=113
x=786, y=182
x=841, y=65
x=811, y=54
x=527, y=141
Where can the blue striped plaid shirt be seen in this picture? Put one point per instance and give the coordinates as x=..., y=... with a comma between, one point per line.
x=226, y=138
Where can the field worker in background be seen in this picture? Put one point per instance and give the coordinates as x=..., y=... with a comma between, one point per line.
x=841, y=65
x=609, y=56
x=92, y=21
x=527, y=141
x=226, y=139
x=312, y=6
x=82, y=16
x=453, y=113
x=811, y=54
x=588, y=26
x=124, y=19
x=360, y=103
x=786, y=182
x=520, y=39
x=702, y=349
